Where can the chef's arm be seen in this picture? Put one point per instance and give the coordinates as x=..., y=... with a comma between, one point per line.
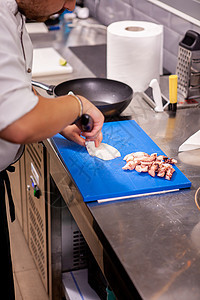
x=49, y=117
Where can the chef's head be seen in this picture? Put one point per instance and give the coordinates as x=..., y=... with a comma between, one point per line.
x=41, y=10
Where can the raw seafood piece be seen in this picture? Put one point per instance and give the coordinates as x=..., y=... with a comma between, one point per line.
x=130, y=165
x=134, y=155
x=104, y=151
x=153, y=164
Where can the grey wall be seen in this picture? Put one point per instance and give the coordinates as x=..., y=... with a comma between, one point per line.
x=175, y=27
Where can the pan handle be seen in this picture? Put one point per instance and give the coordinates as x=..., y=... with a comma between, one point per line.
x=48, y=88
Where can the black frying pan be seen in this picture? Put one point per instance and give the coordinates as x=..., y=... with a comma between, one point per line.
x=110, y=96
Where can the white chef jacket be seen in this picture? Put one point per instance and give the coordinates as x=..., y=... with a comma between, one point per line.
x=16, y=96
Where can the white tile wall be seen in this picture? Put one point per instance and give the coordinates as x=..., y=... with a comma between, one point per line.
x=175, y=27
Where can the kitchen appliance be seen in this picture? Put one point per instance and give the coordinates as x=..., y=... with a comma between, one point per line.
x=188, y=66
x=110, y=96
x=35, y=159
x=97, y=179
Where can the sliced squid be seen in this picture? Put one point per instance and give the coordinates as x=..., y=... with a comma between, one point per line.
x=155, y=165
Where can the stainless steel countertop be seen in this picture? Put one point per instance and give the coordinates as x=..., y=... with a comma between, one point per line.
x=154, y=240
x=158, y=237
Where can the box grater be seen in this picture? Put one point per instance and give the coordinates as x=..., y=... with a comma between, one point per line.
x=188, y=66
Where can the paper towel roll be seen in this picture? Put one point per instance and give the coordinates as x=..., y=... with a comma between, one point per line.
x=134, y=53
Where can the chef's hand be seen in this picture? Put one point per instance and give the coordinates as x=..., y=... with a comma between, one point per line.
x=98, y=119
x=74, y=133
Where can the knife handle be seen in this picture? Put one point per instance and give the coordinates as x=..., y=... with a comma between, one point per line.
x=85, y=123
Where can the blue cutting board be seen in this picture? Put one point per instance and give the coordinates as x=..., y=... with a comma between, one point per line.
x=97, y=179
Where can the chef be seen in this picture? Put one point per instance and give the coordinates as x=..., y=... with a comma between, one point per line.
x=26, y=117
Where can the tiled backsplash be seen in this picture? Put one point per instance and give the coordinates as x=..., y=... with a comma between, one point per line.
x=175, y=27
